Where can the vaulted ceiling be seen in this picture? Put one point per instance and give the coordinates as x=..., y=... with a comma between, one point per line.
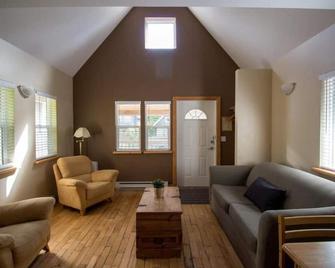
x=255, y=34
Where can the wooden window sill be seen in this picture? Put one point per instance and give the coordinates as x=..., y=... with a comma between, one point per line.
x=324, y=171
x=5, y=172
x=127, y=152
x=158, y=152
x=47, y=159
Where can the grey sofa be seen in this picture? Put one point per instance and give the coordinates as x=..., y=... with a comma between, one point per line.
x=254, y=234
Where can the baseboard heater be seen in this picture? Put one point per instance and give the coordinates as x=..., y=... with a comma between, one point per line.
x=135, y=184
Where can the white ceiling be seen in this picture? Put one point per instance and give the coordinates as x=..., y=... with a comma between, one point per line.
x=62, y=37
x=314, y=4
x=65, y=37
x=255, y=38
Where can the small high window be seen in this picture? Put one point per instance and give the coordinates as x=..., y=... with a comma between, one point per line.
x=160, y=33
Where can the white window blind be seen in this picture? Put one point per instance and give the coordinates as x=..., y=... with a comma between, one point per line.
x=45, y=126
x=128, y=125
x=157, y=122
x=327, y=125
x=7, y=139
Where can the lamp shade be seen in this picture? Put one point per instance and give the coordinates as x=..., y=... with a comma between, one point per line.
x=82, y=132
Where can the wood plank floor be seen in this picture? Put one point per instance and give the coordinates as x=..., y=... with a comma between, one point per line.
x=105, y=237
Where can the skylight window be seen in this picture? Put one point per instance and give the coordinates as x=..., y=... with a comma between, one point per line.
x=160, y=33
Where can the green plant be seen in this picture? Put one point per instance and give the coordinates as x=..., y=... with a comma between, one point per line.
x=158, y=183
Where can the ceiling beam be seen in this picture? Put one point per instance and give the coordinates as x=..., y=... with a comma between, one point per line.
x=301, y=4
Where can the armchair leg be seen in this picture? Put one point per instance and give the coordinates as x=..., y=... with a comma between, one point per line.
x=82, y=212
x=46, y=248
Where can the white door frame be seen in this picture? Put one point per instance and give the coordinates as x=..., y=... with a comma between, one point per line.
x=174, y=129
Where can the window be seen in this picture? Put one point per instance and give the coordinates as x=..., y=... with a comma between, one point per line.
x=327, y=125
x=128, y=125
x=195, y=114
x=45, y=126
x=7, y=139
x=157, y=121
x=160, y=33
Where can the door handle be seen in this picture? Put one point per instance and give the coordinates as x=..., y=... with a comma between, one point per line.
x=211, y=148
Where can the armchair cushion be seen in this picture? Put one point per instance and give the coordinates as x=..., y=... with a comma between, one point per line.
x=105, y=175
x=73, y=166
x=96, y=189
x=29, y=237
x=26, y=210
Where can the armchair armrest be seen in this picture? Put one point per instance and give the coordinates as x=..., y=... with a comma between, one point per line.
x=72, y=182
x=105, y=175
x=6, y=241
x=229, y=175
x=267, y=243
x=26, y=210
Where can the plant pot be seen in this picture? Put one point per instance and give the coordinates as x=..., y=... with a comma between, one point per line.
x=159, y=192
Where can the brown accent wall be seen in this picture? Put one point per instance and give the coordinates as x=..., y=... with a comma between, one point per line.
x=121, y=69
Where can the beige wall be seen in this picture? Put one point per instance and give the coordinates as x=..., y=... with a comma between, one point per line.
x=253, y=116
x=296, y=118
x=34, y=180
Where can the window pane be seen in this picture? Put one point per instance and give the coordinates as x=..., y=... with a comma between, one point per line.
x=157, y=125
x=45, y=126
x=7, y=139
x=128, y=123
x=160, y=33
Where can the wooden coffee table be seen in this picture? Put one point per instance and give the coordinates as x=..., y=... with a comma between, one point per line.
x=158, y=225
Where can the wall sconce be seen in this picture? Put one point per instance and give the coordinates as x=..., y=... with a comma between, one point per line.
x=288, y=88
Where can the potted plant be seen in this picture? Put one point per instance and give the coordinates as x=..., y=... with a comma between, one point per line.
x=158, y=185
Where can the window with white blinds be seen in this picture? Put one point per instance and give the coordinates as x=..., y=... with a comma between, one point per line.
x=7, y=123
x=128, y=125
x=327, y=125
x=45, y=126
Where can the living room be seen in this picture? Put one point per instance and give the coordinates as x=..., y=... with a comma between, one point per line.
x=167, y=134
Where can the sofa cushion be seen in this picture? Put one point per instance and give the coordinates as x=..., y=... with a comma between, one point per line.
x=73, y=166
x=246, y=219
x=303, y=189
x=265, y=195
x=29, y=239
x=227, y=195
x=96, y=189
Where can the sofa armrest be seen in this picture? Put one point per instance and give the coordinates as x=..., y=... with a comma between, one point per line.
x=6, y=241
x=72, y=182
x=267, y=243
x=26, y=210
x=229, y=175
x=105, y=175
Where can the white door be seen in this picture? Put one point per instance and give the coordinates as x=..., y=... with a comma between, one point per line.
x=196, y=138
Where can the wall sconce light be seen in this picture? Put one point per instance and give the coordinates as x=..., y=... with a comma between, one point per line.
x=288, y=88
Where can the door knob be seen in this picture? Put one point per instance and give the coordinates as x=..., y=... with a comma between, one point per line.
x=211, y=148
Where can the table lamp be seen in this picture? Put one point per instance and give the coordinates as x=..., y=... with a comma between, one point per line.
x=81, y=134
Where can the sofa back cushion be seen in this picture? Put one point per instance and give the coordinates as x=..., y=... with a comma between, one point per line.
x=303, y=190
x=73, y=166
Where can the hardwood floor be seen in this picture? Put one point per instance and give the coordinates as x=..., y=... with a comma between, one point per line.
x=105, y=237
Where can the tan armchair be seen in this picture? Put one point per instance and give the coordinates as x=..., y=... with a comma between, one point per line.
x=78, y=187
x=24, y=231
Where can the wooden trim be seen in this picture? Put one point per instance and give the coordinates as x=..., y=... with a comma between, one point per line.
x=157, y=152
x=5, y=172
x=127, y=152
x=47, y=159
x=324, y=171
x=174, y=129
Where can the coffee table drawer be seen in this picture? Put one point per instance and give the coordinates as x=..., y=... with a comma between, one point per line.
x=153, y=241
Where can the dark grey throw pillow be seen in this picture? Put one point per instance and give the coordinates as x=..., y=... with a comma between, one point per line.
x=265, y=195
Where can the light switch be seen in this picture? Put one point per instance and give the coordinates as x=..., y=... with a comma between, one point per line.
x=223, y=138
